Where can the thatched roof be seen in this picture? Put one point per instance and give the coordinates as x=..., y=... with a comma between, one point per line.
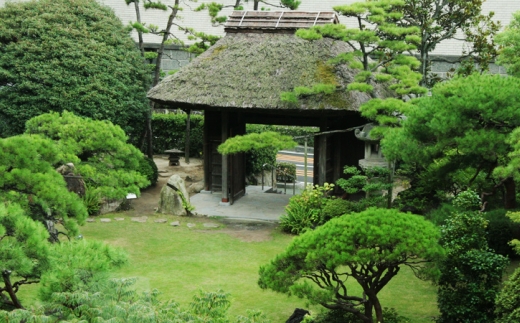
x=251, y=70
x=278, y=20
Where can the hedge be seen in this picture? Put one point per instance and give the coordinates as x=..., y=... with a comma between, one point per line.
x=169, y=132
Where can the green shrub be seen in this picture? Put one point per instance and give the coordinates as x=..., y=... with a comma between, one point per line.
x=305, y=211
x=255, y=159
x=338, y=207
x=169, y=131
x=92, y=200
x=500, y=231
x=285, y=172
x=73, y=55
x=148, y=168
x=439, y=215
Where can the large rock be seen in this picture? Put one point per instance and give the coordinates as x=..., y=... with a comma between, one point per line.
x=174, y=196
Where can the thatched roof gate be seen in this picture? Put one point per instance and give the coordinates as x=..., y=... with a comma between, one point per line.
x=240, y=80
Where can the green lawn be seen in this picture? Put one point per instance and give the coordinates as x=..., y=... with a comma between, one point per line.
x=180, y=260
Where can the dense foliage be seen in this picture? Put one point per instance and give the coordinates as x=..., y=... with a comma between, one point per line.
x=70, y=55
x=24, y=252
x=369, y=247
x=509, y=39
x=471, y=273
x=98, y=149
x=28, y=178
x=459, y=138
x=116, y=301
x=169, y=132
x=305, y=210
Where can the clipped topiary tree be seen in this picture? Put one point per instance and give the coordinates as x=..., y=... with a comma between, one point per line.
x=73, y=55
x=369, y=247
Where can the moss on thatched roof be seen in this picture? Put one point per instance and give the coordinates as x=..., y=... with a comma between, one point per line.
x=251, y=70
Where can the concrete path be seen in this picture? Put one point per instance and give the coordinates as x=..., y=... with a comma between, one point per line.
x=255, y=205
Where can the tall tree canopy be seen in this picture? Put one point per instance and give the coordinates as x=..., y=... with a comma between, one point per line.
x=70, y=55
x=457, y=137
x=369, y=247
x=509, y=39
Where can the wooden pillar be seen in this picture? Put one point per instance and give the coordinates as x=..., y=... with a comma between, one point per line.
x=206, y=150
x=322, y=163
x=187, y=141
x=225, y=177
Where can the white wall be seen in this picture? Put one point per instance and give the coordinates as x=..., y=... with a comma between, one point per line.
x=199, y=20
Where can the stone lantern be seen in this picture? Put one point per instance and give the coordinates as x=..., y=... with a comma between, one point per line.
x=373, y=155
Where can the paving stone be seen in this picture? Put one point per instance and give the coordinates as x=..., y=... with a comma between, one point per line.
x=160, y=221
x=119, y=219
x=105, y=220
x=175, y=223
x=191, y=225
x=210, y=225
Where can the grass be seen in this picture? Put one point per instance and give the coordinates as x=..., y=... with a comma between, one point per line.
x=180, y=260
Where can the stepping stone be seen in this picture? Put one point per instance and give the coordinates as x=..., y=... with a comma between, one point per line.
x=165, y=175
x=210, y=225
x=191, y=225
x=175, y=223
x=160, y=221
x=105, y=220
x=140, y=219
x=91, y=220
x=119, y=219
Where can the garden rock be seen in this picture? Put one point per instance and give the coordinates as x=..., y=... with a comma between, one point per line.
x=91, y=220
x=173, y=194
x=160, y=221
x=297, y=316
x=110, y=206
x=196, y=187
x=141, y=219
x=191, y=225
x=104, y=220
x=175, y=223
x=119, y=219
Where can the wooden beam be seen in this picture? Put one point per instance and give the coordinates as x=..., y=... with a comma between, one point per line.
x=225, y=168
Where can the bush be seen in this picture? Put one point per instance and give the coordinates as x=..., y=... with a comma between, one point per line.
x=255, y=159
x=148, y=168
x=500, y=231
x=338, y=207
x=73, y=55
x=285, y=172
x=305, y=211
x=92, y=200
x=169, y=131
x=439, y=215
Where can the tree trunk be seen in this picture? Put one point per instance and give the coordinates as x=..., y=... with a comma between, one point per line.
x=10, y=290
x=139, y=33
x=149, y=132
x=510, y=196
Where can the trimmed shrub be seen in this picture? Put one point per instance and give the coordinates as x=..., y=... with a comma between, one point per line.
x=148, y=168
x=337, y=207
x=72, y=55
x=305, y=211
x=257, y=158
x=169, y=131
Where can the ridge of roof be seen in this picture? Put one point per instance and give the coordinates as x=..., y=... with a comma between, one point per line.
x=278, y=20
